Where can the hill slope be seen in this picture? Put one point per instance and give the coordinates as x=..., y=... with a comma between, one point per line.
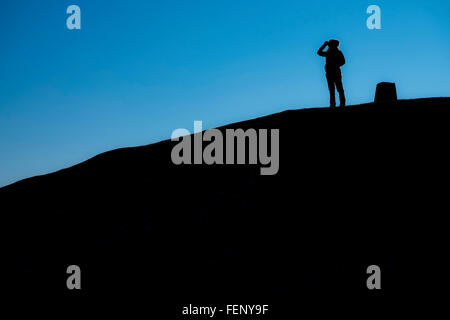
x=356, y=186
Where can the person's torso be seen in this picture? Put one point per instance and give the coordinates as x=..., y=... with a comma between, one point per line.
x=333, y=61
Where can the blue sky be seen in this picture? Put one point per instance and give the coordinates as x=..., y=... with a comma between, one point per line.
x=139, y=69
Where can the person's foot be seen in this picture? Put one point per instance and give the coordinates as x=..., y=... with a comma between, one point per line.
x=332, y=106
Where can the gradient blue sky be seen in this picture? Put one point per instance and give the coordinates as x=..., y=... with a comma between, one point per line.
x=139, y=69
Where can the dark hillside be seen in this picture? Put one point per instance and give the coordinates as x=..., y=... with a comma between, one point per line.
x=362, y=185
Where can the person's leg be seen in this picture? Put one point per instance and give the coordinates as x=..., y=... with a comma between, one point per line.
x=331, y=88
x=340, y=90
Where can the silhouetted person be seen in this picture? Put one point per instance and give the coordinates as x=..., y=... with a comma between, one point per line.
x=334, y=61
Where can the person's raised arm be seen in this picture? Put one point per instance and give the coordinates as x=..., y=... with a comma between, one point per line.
x=320, y=51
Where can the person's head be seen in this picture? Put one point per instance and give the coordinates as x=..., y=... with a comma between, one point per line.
x=333, y=43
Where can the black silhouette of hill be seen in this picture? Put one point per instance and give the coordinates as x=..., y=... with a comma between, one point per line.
x=357, y=186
